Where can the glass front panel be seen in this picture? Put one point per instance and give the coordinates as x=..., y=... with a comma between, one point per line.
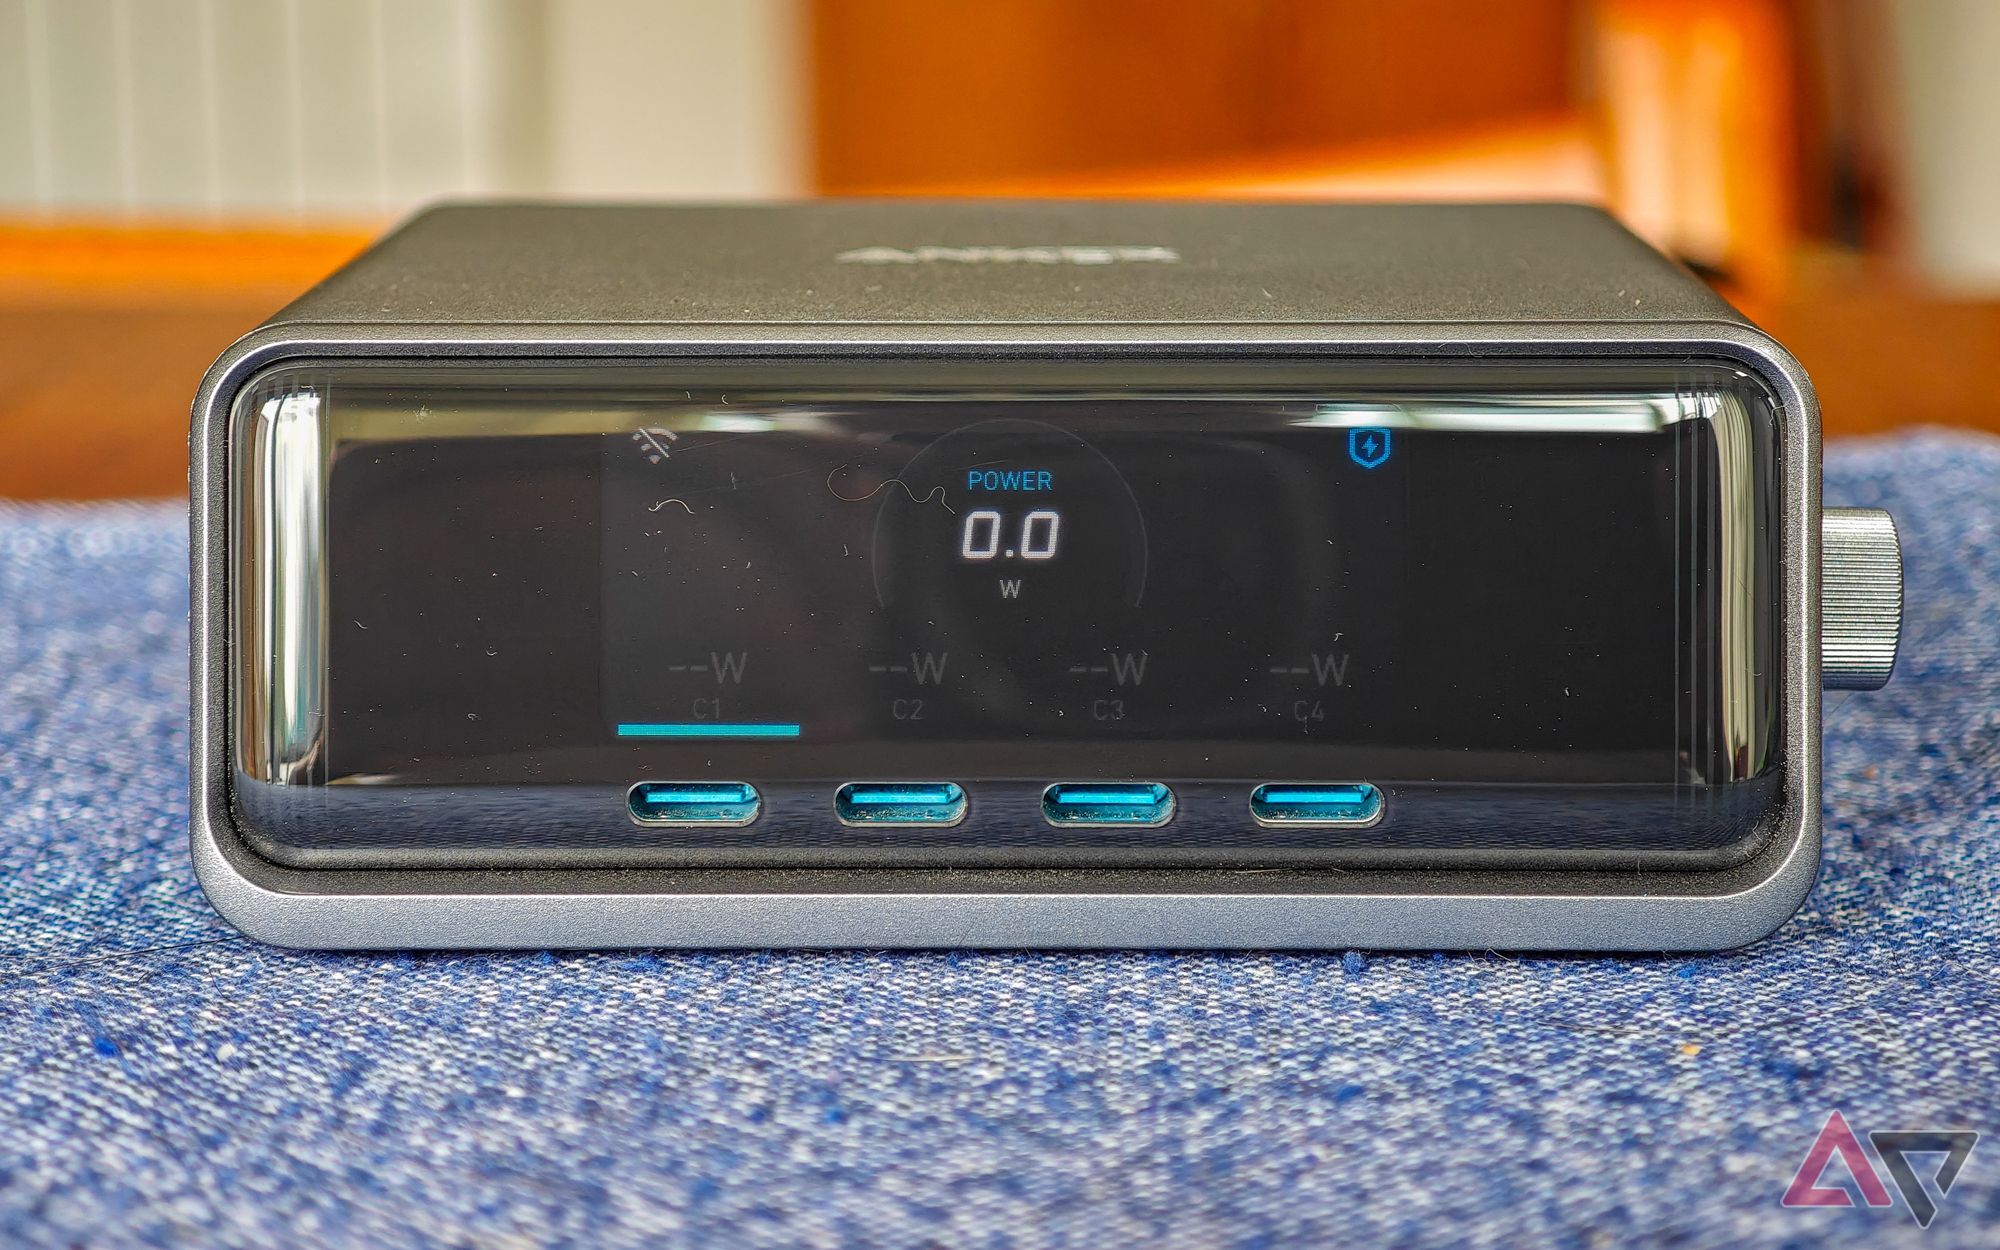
x=1534, y=607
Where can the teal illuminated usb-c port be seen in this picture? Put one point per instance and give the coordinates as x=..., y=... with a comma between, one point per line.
x=1352, y=803
x=1071, y=803
x=693, y=803
x=895, y=803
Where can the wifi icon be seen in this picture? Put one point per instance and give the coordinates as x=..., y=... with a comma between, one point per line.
x=653, y=442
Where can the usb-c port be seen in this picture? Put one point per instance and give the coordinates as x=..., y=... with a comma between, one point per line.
x=693, y=803
x=900, y=803
x=1071, y=804
x=1352, y=803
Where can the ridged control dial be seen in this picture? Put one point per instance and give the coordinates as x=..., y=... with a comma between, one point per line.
x=1861, y=598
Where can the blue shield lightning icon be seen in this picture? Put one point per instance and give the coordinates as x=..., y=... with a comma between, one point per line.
x=1368, y=446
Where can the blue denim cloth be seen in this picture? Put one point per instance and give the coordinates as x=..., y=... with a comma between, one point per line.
x=165, y=1081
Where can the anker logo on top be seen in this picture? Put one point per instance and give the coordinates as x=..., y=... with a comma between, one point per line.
x=1069, y=254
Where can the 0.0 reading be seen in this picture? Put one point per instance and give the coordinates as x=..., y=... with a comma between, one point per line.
x=979, y=537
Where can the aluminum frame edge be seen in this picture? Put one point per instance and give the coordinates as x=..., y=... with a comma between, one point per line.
x=1653, y=916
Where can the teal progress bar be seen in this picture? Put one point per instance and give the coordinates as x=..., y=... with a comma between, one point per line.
x=708, y=729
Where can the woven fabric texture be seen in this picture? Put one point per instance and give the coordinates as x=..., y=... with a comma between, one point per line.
x=165, y=1081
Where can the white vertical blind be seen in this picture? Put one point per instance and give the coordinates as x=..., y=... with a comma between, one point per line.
x=365, y=107
x=692, y=99
x=1951, y=106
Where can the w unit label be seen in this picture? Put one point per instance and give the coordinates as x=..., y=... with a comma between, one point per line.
x=727, y=666
x=926, y=667
x=1324, y=668
x=1125, y=668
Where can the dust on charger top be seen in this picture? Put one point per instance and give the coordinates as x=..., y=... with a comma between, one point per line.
x=1043, y=263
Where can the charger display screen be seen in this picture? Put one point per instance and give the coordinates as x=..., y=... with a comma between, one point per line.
x=1544, y=592
x=1215, y=573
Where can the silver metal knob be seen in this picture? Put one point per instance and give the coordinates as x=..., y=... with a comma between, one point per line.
x=1860, y=598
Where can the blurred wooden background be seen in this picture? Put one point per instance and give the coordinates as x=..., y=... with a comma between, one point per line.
x=1752, y=138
